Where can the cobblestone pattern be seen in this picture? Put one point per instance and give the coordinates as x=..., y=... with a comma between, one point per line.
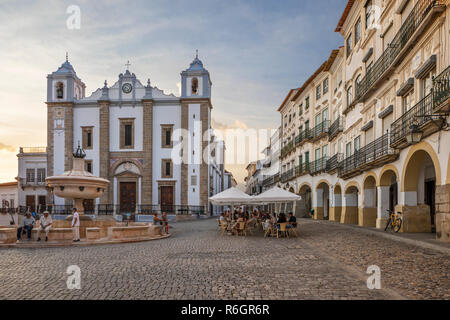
x=411, y=271
x=199, y=263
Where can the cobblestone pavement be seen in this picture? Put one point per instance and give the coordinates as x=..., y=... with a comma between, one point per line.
x=197, y=262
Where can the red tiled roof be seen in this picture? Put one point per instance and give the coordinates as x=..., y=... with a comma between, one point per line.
x=8, y=184
x=344, y=16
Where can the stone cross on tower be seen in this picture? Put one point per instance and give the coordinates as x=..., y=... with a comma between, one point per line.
x=128, y=64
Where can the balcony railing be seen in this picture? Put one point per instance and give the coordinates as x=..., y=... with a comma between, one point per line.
x=302, y=169
x=334, y=162
x=336, y=127
x=415, y=115
x=320, y=129
x=375, y=151
x=319, y=165
x=271, y=180
x=349, y=165
x=287, y=149
x=288, y=175
x=32, y=149
x=441, y=88
x=401, y=39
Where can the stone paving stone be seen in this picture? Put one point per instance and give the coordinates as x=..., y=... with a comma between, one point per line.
x=197, y=262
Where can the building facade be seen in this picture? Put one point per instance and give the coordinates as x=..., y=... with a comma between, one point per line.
x=271, y=162
x=148, y=144
x=32, y=171
x=367, y=132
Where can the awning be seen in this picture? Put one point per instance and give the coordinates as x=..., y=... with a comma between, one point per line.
x=231, y=196
x=276, y=195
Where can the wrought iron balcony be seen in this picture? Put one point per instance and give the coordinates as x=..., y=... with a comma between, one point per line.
x=336, y=127
x=420, y=115
x=287, y=149
x=318, y=166
x=303, y=136
x=376, y=153
x=271, y=180
x=441, y=92
x=349, y=167
x=302, y=169
x=334, y=162
x=288, y=175
x=320, y=130
x=410, y=30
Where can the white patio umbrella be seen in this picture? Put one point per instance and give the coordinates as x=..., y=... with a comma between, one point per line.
x=276, y=195
x=231, y=196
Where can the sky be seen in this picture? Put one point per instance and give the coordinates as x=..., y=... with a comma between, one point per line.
x=255, y=51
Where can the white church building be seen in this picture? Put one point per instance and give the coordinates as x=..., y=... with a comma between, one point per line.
x=148, y=144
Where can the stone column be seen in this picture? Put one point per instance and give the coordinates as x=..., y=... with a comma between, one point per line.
x=104, y=150
x=318, y=208
x=50, y=147
x=204, y=172
x=147, y=179
x=68, y=142
x=184, y=164
x=442, y=219
x=368, y=210
x=382, y=206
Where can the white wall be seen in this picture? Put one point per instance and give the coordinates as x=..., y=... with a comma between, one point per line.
x=116, y=113
x=88, y=117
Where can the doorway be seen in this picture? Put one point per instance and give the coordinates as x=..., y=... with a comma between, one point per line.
x=31, y=203
x=167, y=199
x=430, y=191
x=127, y=197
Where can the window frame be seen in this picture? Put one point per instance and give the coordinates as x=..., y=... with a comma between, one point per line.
x=164, y=163
x=123, y=123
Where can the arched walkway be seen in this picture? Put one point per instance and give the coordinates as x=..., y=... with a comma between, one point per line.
x=368, y=212
x=418, y=193
x=387, y=191
x=336, y=204
x=305, y=204
x=322, y=201
x=351, y=204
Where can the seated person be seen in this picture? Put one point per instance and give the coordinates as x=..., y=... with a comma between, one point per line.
x=27, y=225
x=281, y=219
x=157, y=221
x=45, y=224
x=252, y=221
x=236, y=224
x=292, y=222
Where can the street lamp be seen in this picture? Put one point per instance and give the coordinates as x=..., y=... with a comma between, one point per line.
x=415, y=135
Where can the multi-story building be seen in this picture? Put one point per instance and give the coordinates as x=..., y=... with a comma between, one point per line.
x=254, y=178
x=367, y=132
x=271, y=163
x=32, y=171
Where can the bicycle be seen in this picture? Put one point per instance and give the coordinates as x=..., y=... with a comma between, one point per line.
x=394, y=222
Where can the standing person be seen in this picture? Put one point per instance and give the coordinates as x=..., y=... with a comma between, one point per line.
x=27, y=225
x=165, y=222
x=76, y=225
x=45, y=224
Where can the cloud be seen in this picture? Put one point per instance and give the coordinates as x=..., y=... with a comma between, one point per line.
x=5, y=147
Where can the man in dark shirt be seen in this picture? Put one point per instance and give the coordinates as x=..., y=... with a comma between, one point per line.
x=292, y=221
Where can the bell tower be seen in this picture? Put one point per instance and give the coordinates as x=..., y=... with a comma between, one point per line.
x=63, y=89
x=195, y=81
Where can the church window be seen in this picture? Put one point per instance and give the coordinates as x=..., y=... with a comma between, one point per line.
x=60, y=90
x=87, y=137
x=126, y=133
x=194, y=86
x=166, y=136
x=166, y=170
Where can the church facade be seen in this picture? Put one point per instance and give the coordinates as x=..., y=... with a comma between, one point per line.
x=148, y=144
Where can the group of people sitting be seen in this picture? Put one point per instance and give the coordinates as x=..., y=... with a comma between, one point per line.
x=163, y=222
x=28, y=223
x=269, y=222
